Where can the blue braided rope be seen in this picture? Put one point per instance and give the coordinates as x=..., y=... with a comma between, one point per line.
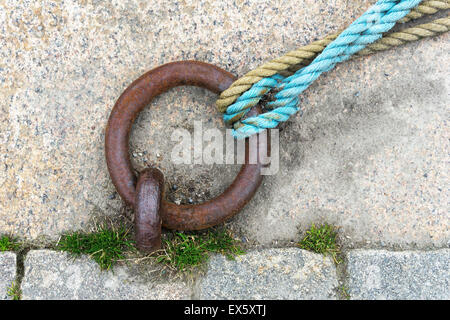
x=379, y=18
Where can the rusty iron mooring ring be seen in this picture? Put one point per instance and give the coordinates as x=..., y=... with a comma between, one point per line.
x=138, y=95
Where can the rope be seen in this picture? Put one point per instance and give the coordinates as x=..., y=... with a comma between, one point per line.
x=356, y=38
x=426, y=8
x=408, y=35
x=387, y=42
x=303, y=56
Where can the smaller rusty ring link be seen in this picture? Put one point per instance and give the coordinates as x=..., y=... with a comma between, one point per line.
x=135, y=98
x=147, y=217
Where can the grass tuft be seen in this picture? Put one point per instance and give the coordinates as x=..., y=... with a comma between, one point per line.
x=345, y=293
x=14, y=291
x=8, y=244
x=186, y=251
x=105, y=246
x=321, y=240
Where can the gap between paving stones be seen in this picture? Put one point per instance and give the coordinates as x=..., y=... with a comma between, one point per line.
x=344, y=280
x=340, y=273
x=341, y=269
x=24, y=265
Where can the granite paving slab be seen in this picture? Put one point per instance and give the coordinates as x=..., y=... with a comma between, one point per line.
x=288, y=273
x=52, y=275
x=405, y=275
x=7, y=273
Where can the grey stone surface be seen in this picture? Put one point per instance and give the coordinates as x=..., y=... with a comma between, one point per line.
x=63, y=64
x=7, y=273
x=407, y=275
x=370, y=153
x=288, y=273
x=52, y=275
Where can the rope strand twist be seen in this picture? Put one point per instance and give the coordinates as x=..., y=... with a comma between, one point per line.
x=362, y=37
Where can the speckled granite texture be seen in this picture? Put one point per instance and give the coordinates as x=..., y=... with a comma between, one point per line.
x=7, y=273
x=407, y=275
x=281, y=273
x=51, y=275
x=370, y=153
x=288, y=273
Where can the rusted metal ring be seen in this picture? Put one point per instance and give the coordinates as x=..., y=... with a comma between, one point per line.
x=132, y=101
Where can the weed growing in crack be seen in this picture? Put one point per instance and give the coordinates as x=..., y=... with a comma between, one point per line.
x=8, y=244
x=345, y=292
x=14, y=292
x=321, y=240
x=185, y=251
x=105, y=246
